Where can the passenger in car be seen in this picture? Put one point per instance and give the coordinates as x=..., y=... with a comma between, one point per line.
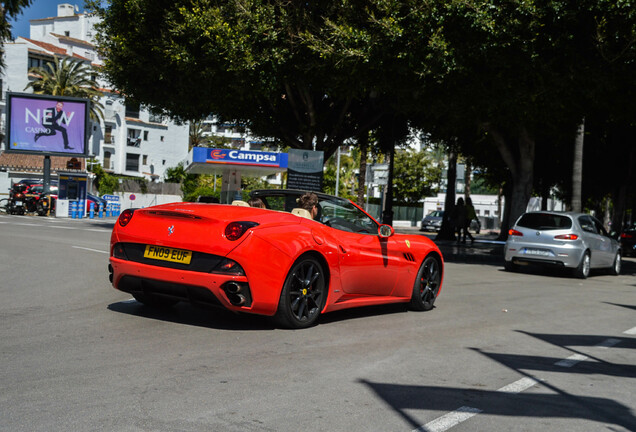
x=309, y=201
x=256, y=202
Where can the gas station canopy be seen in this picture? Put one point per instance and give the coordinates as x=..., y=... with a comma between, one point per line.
x=202, y=160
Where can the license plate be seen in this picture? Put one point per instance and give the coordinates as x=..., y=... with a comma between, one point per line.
x=538, y=252
x=18, y=203
x=168, y=254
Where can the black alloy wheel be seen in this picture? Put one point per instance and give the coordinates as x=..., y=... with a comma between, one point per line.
x=303, y=295
x=427, y=284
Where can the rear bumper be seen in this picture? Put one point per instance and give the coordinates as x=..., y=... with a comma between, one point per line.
x=561, y=256
x=208, y=289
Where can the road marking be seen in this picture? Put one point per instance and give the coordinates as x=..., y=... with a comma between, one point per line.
x=462, y=414
x=449, y=420
x=572, y=360
x=631, y=331
x=576, y=358
x=608, y=343
x=62, y=227
x=89, y=249
x=97, y=229
x=27, y=224
x=519, y=385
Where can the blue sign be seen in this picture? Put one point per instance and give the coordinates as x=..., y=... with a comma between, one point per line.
x=111, y=197
x=240, y=157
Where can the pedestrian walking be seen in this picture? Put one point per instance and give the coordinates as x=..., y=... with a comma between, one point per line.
x=460, y=220
x=470, y=215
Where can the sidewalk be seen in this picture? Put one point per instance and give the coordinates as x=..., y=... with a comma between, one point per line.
x=486, y=249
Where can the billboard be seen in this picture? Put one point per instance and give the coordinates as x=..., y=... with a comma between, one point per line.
x=47, y=125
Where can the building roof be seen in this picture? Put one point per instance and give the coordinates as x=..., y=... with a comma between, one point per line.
x=34, y=163
x=73, y=40
x=47, y=46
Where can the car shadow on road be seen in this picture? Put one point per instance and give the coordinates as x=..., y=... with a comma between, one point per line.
x=186, y=314
x=221, y=319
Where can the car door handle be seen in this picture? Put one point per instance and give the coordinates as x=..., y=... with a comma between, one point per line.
x=343, y=250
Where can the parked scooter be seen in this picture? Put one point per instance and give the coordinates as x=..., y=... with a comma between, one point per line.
x=17, y=199
x=46, y=204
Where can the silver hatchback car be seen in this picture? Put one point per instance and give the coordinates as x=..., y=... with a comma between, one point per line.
x=573, y=240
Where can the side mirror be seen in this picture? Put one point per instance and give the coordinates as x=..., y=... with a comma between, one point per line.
x=385, y=231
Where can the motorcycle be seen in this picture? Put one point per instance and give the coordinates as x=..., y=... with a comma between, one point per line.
x=46, y=204
x=17, y=199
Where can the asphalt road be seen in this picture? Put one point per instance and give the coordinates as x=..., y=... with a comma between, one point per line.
x=500, y=352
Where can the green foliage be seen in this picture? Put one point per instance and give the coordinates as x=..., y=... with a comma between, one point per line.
x=415, y=176
x=9, y=9
x=189, y=182
x=68, y=77
x=104, y=182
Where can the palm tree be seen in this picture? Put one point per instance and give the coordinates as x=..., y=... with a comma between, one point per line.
x=68, y=77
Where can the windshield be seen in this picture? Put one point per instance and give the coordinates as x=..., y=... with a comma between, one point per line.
x=544, y=221
x=342, y=215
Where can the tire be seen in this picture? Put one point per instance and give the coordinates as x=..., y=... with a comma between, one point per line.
x=154, y=301
x=4, y=205
x=616, y=267
x=303, y=295
x=583, y=269
x=427, y=284
x=510, y=266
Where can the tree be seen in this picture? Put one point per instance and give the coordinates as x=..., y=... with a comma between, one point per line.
x=9, y=9
x=250, y=61
x=68, y=77
x=415, y=177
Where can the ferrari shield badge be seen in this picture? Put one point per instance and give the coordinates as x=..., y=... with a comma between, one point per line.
x=408, y=244
x=170, y=230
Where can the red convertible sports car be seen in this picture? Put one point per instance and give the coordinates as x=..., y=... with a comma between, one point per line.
x=276, y=261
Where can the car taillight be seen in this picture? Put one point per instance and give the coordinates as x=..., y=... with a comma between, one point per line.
x=234, y=230
x=227, y=266
x=566, y=237
x=125, y=217
x=119, y=251
x=626, y=236
x=514, y=232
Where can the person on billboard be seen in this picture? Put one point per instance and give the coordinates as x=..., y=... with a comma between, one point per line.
x=52, y=120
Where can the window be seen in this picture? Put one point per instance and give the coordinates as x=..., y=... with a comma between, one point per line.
x=67, y=33
x=544, y=221
x=132, y=162
x=106, y=160
x=132, y=109
x=134, y=139
x=164, y=162
x=144, y=160
x=108, y=135
x=587, y=224
x=1, y=92
x=145, y=135
x=37, y=62
x=486, y=212
x=161, y=138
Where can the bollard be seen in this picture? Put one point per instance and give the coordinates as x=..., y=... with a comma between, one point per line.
x=100, y=213
x=107, y=208
x=91, y=212
x=80, y=209
x=73, y=209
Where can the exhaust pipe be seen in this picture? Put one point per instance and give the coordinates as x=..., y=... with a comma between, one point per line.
x=233, y=292
x=233, y=288
x=110, y=271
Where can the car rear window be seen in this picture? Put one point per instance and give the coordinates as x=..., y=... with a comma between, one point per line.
x=544, y=221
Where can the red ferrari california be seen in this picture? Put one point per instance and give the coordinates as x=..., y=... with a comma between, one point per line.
x=276, y=261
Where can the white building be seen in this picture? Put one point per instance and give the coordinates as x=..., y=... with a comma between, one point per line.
x=130, y=141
